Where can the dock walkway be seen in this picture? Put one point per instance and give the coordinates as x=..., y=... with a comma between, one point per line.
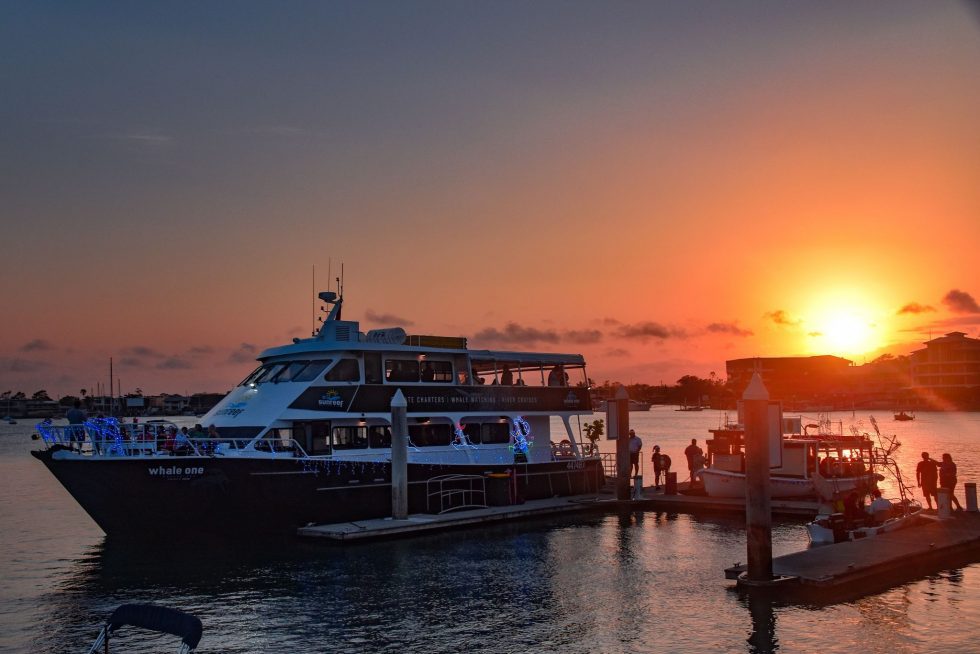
x=855, y=567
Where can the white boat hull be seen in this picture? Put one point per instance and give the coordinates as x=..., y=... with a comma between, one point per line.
x=820, y=532
x=722, y=483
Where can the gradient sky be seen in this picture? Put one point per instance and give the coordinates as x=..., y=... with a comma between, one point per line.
x=661, y=186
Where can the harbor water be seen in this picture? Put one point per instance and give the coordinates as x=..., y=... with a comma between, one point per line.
x=631, y=582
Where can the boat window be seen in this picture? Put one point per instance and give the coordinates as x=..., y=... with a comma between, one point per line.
x=372, y=368
x=438, y=372
x=349, y=438
x=251, y=376
x=277, y=439
x=379, y=435
x=495, y=432
x=290, y=371
x=426, y=435
x=269, y=373
x=312, y=371
x=345, y=370
x=401, y=370
x=472, y=431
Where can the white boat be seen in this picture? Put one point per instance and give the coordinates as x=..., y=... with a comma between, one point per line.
x=635, y=405
x=306, y=437
x=829, y=528
x=823, y=465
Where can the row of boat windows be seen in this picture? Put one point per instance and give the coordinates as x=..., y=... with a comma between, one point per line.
x=378, y=370
x=323, y=439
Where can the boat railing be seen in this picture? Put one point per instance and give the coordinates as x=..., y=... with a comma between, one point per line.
x=455, y=492
x=109, y=437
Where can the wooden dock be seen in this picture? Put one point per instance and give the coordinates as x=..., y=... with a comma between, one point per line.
x=857, y=568
x=652, y=500
x=425, y=522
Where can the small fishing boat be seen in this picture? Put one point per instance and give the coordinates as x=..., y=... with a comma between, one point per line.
x=902, y=416
x=832, y=526
x=823, y=464
x=153, y=618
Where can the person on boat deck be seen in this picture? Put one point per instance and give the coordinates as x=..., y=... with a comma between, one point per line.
x=927, y=478
x=880, y=509
x=854, y=509
x=475, y=378
x=182, y=442
x=947, y=479
x=695, y=458
x=76, y=419
x=506, y=376
x=636, y=444
x=661, y=466
x=557, y=376
x=428, y=372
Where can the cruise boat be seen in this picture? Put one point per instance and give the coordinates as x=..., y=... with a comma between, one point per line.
x=306, y=438
x=825, y=464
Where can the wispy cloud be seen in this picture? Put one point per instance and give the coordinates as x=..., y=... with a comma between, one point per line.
x=243, y=354
x=514, y=334
x=174, y=363
x=728, y=328
x=814, y=334
x=36, y=345
x=582, y=336
x=646, y=330
x=142, y=351
x=780, y=317
x=617, y=352
x=22, y=365
x=914, y=308
x=961, y=302
x=386, y=318
x=201, y=349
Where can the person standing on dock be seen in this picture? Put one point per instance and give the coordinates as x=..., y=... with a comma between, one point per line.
x=926, y=477
x=636, y=444
x=947, y=479
x=661, y=466
x=695, y=458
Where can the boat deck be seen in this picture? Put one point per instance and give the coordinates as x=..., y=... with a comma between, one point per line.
x=858, y=567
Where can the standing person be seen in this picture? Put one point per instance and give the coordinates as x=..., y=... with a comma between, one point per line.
x=76, y=424
x=661, y=466
x=947, y=479
x=695, y=458
x=636, y=444
x=927, y=477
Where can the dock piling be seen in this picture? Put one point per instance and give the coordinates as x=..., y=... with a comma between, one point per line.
x=618, y=421
x=758, y=515
x=944, y=506
x=971, y=496
x=399, y=456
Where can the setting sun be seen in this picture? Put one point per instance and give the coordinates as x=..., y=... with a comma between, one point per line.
x=845, y=333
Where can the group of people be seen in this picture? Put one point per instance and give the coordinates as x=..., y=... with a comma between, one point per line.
x=168, y=438
x=661, y=461
x=931, y=475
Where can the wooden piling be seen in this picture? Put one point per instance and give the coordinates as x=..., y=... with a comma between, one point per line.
x=618, y=422
x=399, y=456
x=758, y=517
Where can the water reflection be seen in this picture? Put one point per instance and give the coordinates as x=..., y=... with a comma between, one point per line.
x=762, y=639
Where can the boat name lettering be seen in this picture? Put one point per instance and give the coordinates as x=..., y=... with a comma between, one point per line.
x=331, y=398
x=232, y=410
x=176, y=472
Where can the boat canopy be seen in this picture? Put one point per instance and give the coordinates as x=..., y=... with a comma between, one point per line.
x=158, y=618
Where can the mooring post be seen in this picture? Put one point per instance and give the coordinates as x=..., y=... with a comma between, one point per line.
x=399, y=456
x=944, y=504
x=618, y=420
x=970, y=489
x=758, y=517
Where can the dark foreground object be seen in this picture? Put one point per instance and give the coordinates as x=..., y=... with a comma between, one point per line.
x=856, y=568
x=153, y=618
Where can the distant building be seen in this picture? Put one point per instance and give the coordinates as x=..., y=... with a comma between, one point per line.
x=948, y=363
x=794, y=380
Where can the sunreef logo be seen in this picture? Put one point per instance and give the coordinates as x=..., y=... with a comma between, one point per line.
x=571, y=399
x=176, y=472
x=233, y=410
x=331, y=399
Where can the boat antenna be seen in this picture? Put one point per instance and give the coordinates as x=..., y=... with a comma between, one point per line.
x=313, y=333
x=340, y=291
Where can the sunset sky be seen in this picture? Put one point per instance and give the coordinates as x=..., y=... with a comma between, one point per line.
x=661, y=186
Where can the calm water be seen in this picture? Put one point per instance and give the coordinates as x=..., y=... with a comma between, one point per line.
x=643, y=582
